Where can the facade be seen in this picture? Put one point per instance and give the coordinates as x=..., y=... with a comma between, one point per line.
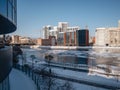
x=25, y=40
x=73, y=28
x=62, y=26
x=56, y=30
x=82, y=37
x=70, y=38
x=60, y=39
x=46, y=31
x=8, y=16
x=15, y=39
x=119, y=23
x=91, y=41
x=73, y=38
x=43, y=42
x=7, y=25
x=108, y=36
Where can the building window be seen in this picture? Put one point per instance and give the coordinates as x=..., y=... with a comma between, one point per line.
x=3, y=7
x=10, y=11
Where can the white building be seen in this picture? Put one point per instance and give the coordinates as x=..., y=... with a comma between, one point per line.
x=107, y=36
x=73, y=28
x=46, y=30
x=63, y=26
x=25, y=40
x=15, y=39
x=54, y=30
x=119, y=23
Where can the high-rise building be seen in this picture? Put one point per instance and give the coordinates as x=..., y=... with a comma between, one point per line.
x=46, y=31
x=54, y=32
x=63, y=26
x=7, y=25
x=82, y=37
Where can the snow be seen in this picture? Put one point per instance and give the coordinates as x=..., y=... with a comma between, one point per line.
x=19, y=81
x=87, y=77
x=94, y=77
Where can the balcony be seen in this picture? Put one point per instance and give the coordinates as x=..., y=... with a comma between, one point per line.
x=5, y=62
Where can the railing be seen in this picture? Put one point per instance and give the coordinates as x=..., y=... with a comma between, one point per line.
x=77, y=67
x=30, y=73
x=37, y=77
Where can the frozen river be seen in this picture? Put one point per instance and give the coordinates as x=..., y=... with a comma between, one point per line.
x=105, y=61
x=103, y=65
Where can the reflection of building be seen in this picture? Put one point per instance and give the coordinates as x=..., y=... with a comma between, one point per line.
x=7, y=25
x=108, y=36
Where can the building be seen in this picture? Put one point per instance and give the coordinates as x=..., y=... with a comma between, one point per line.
x=61, y=39
x=51, y=41
x=46, y=31
x=82, y=37
x=91, y=40
x=73, y=38
x=70, y=38
x=15, y=39
x=108, y=36
x=43, y=42
x=63, y=26
x=8, y=22
x=55, y=30
x=119, y=23
x=25, y=40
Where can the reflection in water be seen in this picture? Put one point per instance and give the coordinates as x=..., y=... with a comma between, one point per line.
x=99, y=60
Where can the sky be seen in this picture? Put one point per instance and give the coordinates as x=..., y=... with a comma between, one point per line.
x=32, y=15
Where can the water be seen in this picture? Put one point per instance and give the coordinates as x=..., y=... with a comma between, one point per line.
x=105, y=60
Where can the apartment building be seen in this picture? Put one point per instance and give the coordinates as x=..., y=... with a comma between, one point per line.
x=8, y=24
x=108, y=36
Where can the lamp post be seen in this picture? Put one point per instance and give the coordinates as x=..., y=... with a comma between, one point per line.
x=32, y=57
x=49, y=58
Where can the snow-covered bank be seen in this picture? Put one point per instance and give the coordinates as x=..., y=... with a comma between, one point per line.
x=87, y=77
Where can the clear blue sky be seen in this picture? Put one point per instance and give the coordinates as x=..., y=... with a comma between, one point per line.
x=34, y=14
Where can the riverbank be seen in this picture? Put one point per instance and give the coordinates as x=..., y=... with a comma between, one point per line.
x=95, y=48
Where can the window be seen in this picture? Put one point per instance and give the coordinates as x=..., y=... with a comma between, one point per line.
x=10, y=11
x=3, y=7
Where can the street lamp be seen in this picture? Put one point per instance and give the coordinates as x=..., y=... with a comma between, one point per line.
x=32, y=57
